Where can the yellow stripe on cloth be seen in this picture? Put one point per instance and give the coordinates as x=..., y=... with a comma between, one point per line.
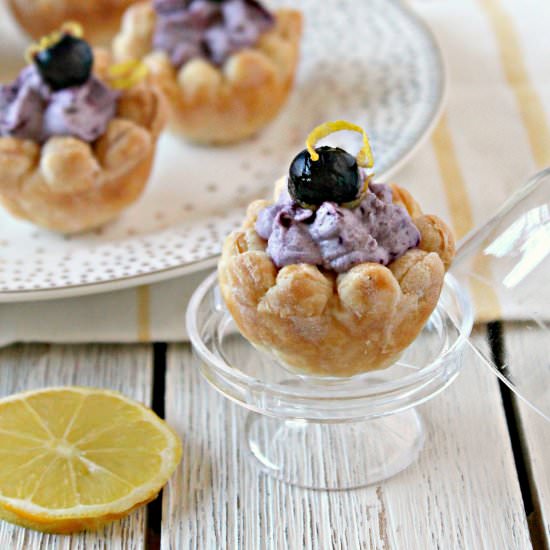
x=453, y=181
x=485, y=298
x=143, y=314
x=530, y=106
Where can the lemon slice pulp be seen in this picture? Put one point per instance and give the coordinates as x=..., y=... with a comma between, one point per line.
x=74, y=458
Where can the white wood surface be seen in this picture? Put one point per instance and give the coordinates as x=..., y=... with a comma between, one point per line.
x=524, y=348
x=462, y=493
x=126, y=369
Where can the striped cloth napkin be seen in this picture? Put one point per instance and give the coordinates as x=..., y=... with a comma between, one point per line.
x=493, y=134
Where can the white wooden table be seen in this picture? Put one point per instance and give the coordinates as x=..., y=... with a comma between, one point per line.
x=482, y=480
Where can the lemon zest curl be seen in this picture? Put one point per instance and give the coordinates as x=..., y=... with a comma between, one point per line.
x=127, y=74
x=364, y=156
x=49, y=40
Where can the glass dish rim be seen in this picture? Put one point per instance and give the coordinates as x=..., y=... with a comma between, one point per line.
x=463, y=326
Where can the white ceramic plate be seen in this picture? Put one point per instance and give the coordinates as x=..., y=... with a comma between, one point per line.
x=370, y=61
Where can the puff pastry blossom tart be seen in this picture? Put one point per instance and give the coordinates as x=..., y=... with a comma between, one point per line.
x=226, y=66
x=339, y=274
x=77, y=135
x=99, y=18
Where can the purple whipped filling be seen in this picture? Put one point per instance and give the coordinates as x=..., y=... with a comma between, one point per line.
x=338, y=238
x=212, y=30
x=29, y=109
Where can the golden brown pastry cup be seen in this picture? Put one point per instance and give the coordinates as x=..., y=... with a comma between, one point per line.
x=218, y=105
x=99, y=18
x=68, y=185
x=324, y=324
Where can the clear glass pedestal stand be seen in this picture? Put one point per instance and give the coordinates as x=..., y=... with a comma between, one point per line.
x=303, y=453
x=297, y=425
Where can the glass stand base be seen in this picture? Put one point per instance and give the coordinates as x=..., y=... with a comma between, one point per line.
x=305, y=453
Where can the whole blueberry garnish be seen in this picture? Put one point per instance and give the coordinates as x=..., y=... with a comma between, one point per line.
x=66, y=63
x=333, y=177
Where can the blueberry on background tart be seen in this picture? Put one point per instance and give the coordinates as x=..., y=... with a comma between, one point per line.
x=68, y=62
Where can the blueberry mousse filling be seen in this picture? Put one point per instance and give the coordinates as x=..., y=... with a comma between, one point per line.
x=57, y=95
x=208, y=29
x=333, y=216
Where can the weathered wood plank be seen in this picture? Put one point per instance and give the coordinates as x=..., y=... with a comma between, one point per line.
x=462, y=492
x=526, y=347
x=127, y=369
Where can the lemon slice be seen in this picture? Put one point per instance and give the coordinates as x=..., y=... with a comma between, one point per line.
x=74, y=458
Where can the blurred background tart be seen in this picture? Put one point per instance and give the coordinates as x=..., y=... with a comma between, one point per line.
x=226, y=66
x=77, y=135
x=99, y=18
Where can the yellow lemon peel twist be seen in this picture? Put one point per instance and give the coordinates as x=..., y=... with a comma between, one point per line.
x=364, y=156
x=47, y=41
x=127, y=74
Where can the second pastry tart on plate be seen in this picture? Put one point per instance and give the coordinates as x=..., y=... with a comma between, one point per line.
x=226, y=67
